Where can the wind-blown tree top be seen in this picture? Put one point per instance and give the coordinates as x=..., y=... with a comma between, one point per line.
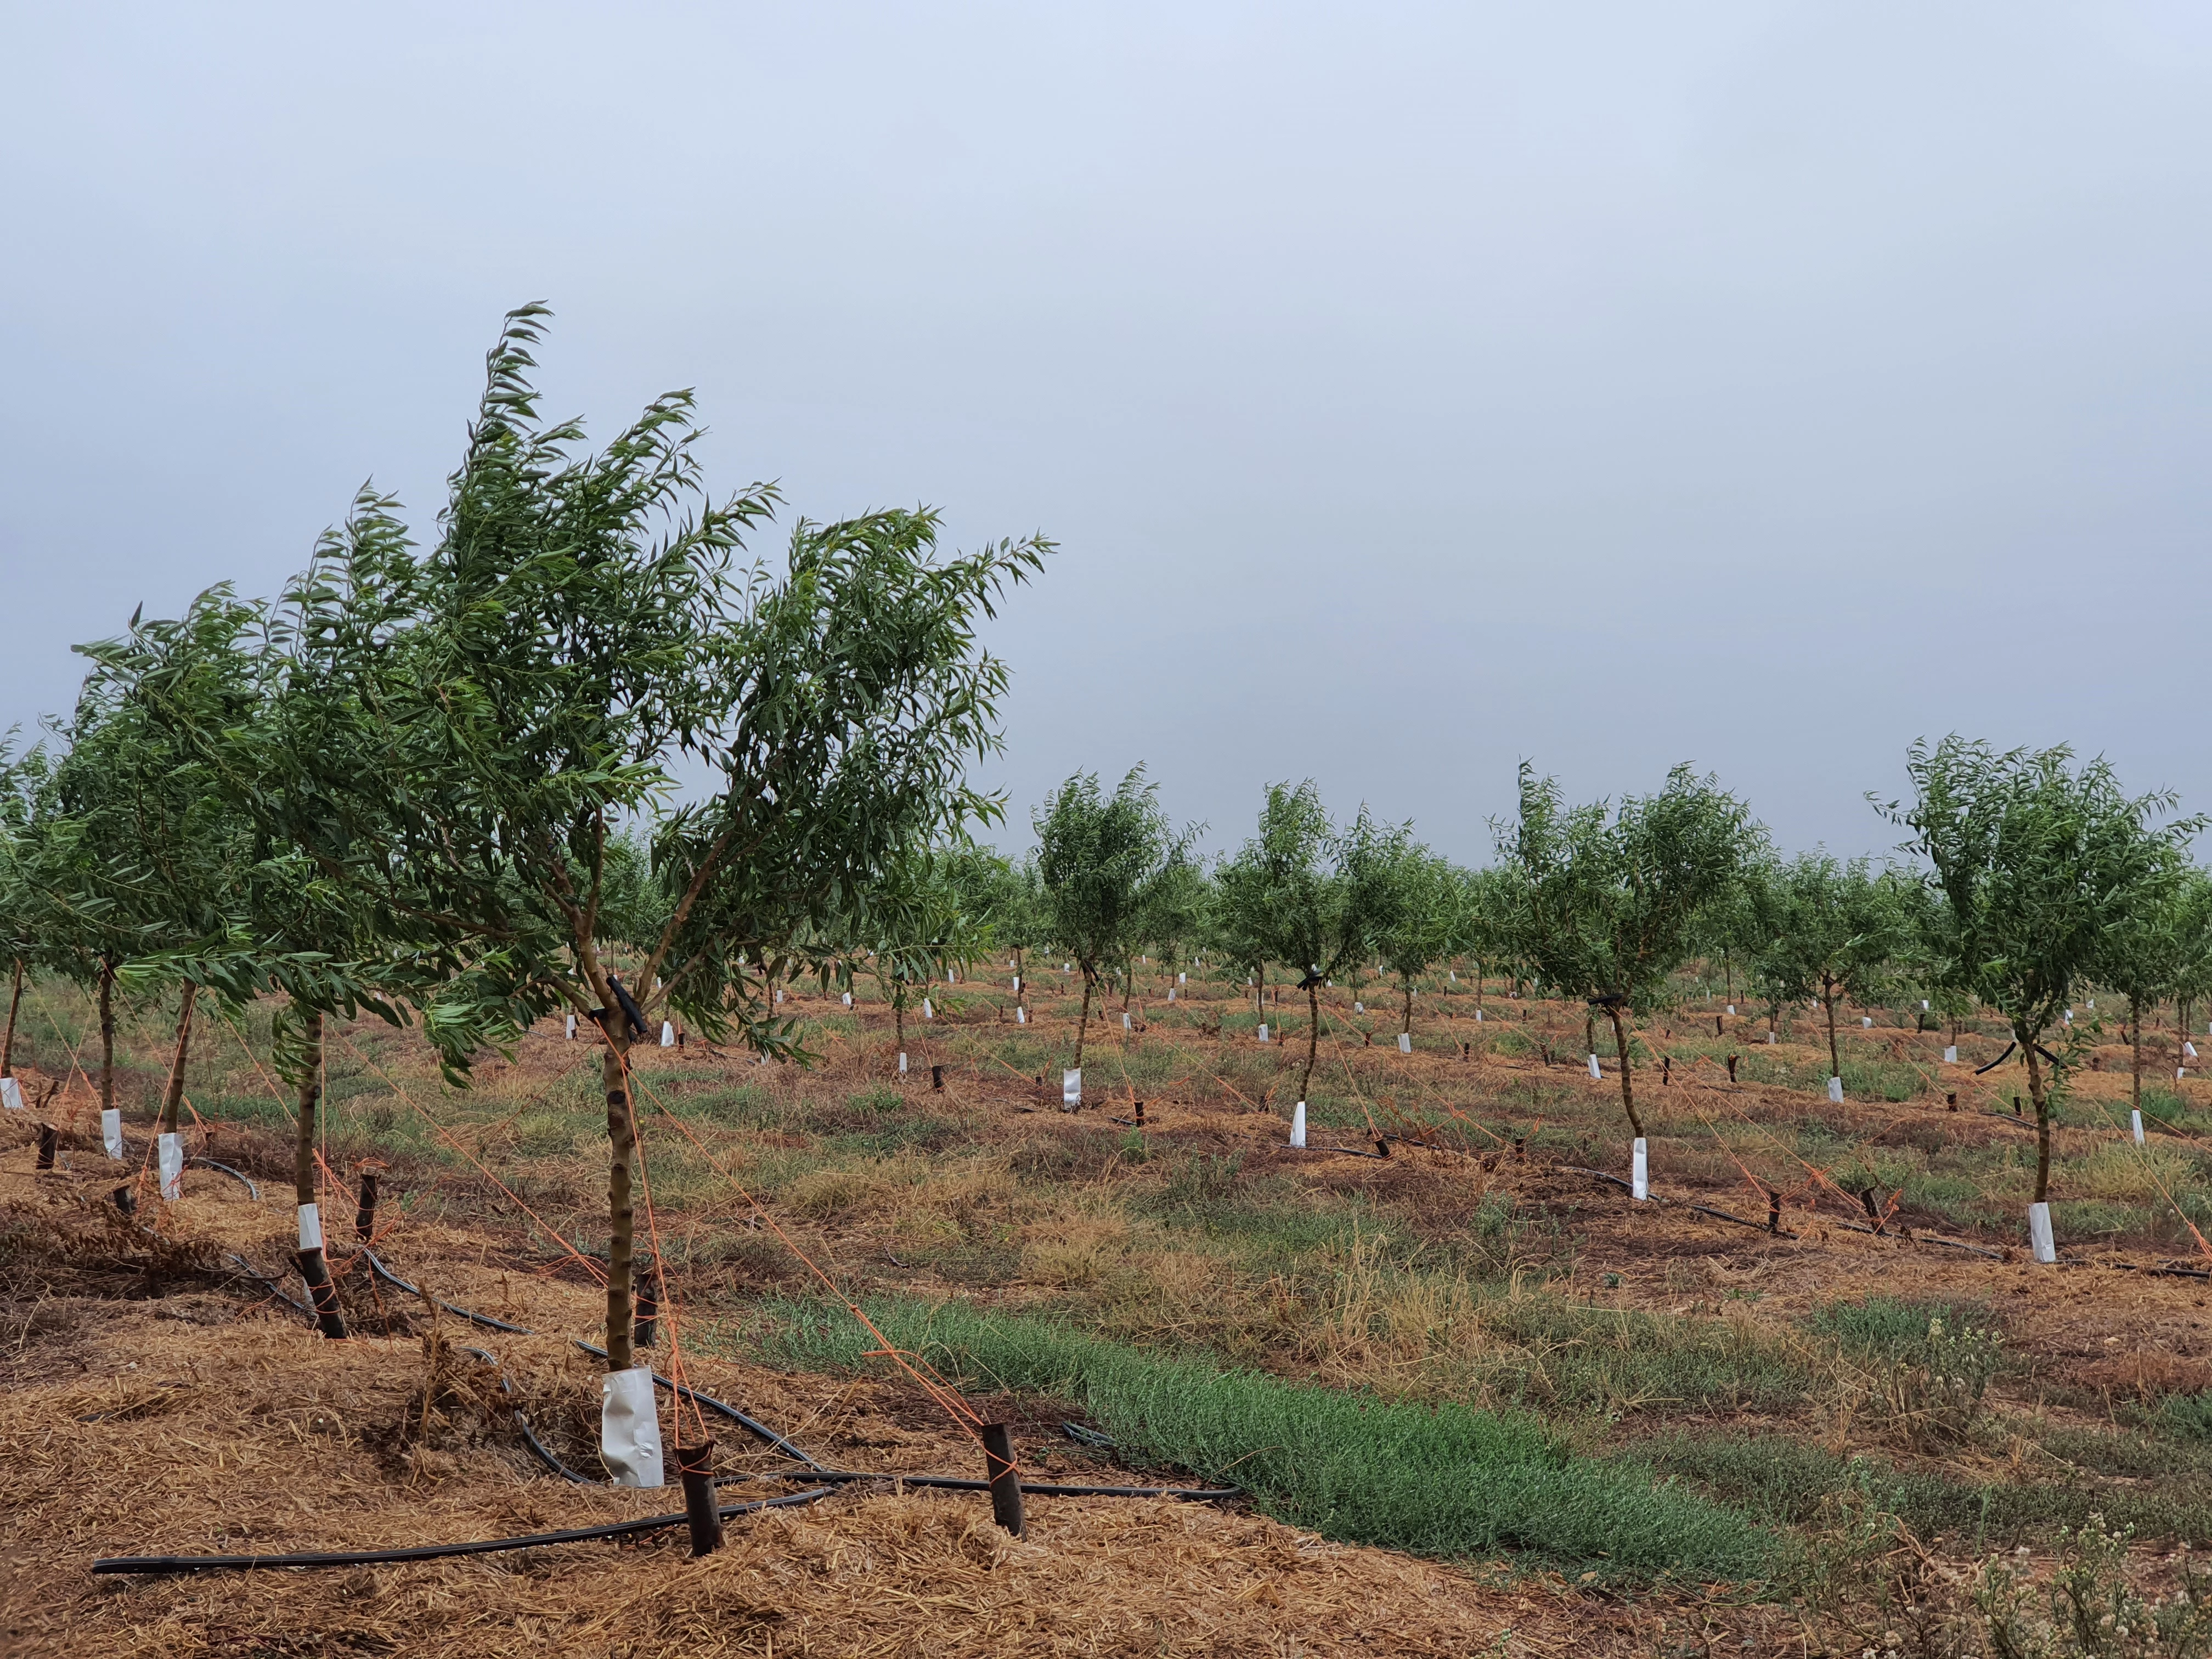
x=2040, y=861
x=577, y=633
x=1102, y=860
x=463, y=731
x=1607, y=904
x=451, y=742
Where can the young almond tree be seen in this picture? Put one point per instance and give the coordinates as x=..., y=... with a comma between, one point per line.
x=2036, y=859
x=1102, y=860
x=1606, y=905
x=216, y=703
x=1824, y=931
x=576, y=633
x=1482, y=921
x=1424, y=918
x=140, y=856
x=1180, y=912
x=2156, y=945
x=1301, y=894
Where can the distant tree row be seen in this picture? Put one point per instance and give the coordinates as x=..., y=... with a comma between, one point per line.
x=438, y=784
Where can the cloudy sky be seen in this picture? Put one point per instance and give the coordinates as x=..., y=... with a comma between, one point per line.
x=1412, y=389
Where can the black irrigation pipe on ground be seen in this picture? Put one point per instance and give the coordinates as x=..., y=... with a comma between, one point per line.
x=1030, y=1488
x=830, y=1479
x=272, y=1286
x=484, y=1320
x=174, y=1564
x=1851, y=1226
x=1756, y=1226
x=252, y=1186
x=537, y=1448
x=749, y=1425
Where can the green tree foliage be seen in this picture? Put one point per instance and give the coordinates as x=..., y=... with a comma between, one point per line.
x=1607, y=904
x=2158, y=944
x=2037, y=860
x=1482, y=920
x=1002, y=902
x=513, y=697
x=1424, y=919
x=1303, y=894
x=1102, y=860
x=1179, y=913
x=1821, y=931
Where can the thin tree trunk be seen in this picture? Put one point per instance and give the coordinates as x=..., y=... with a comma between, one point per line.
x=1260, y=993
x=173, y=1096
x=1083, y=1025
x=1406, y=1025
x=7, y=1044
x=1589, y=1032
x=1313, y=1033
x=309, y=1098
x=2135, y=1028
x=621, y=1151
x=1128, y=984
x=1021, y=989
x=1627, y=1090
x=2035, y=1093
x=1835, y=1064
x=1478, y=985
x=898, y=1017
x=106, y=1034
x=320, y=1292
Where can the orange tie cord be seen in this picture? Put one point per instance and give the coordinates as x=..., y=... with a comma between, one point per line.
x=1425, y=1088
x=62, y=1036
x=946, y=1397
x=671, y=1309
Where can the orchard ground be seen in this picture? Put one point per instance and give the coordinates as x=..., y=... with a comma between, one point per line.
x=1481, y=1399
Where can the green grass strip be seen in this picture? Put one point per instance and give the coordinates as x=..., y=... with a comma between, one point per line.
x=1442, y=1479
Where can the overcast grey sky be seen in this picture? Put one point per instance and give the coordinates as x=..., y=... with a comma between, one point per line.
x=1413, y=389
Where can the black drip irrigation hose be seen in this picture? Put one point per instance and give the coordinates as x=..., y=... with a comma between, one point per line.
x=1742, y=1221
x=484, y=1320
x=1849, y=1226
x=271, y=1286
x=250, y=1185
x=537, y=1448
x=760, y=1431
x=827, y=1481
x=1030, y=1488
x=173, y=1563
